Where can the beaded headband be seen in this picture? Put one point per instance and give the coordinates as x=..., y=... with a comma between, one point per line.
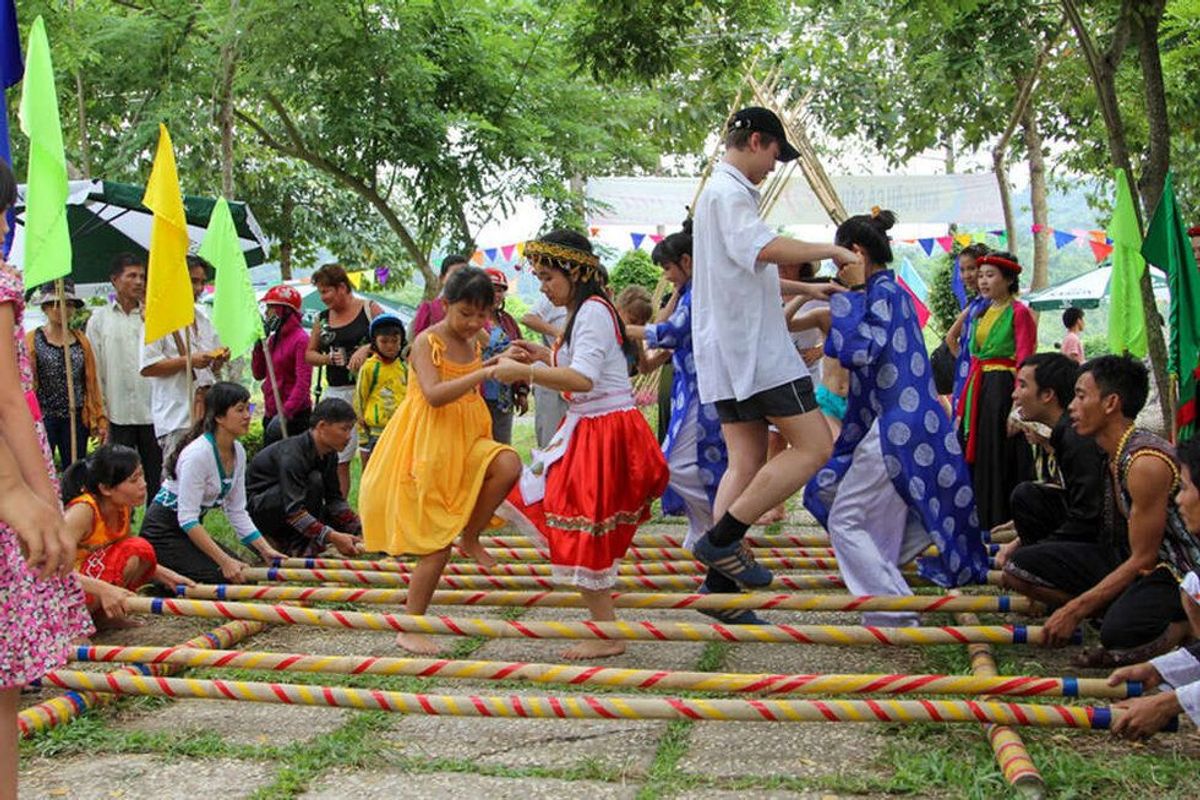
x=1001, y=262
x=580, y=264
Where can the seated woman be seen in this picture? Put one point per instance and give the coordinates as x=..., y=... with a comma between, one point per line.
x=207, y=470
x=292, y=487
x=100, y=492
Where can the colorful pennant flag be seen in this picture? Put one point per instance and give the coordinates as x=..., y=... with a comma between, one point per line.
x=656, y=237
x=1126, y=318
x=508, y=251
x=169, y=303
x=1100, y=250
x=595, y=231
x=355, y=278
x=946, y=242
x=1167, y=246
x=477, y=258
x=963, y=239
x=926, y=245
x=382, y=274
x=637, y=238
x=1062, y=239
x=235, y=308
x=47, y=238
x=918, y=305
x=1037, y=227
x=957, y=286
x=490, y=254
x=913, y=279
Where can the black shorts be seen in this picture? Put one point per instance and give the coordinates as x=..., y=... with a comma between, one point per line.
x=1071, y=567
x=786, y=400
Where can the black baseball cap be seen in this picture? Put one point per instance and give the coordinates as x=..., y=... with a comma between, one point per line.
x=763, y=120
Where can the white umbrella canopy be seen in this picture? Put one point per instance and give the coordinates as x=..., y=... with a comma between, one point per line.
x=1086, y=291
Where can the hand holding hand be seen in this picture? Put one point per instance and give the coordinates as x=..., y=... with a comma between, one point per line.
x=509, y=371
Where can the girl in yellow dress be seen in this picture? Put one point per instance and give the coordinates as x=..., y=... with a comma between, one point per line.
x=436, y=472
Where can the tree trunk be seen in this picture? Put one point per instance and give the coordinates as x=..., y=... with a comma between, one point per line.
x=1037, y=194
x=225, y=112
x=285, y=243
x=1000, y=168
x=85, y=149
x=1103, y=69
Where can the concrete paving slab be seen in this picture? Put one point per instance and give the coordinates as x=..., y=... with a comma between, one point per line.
x=798, y=750
x=389, y=784
x=247, y=723
x=626, y=746
x=141, y=777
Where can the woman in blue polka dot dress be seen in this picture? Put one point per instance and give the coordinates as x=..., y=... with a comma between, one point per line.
x=896, y=482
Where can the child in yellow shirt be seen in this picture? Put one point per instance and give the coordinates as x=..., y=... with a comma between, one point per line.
x=382, y=381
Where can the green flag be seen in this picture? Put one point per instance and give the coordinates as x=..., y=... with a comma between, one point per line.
x=1126, y=318
x=1167, y=246
x=47, y=239
x=235, y=309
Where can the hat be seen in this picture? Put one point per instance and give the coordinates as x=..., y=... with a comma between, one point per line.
x=757, y=119
x=47, y=293
x=1194, y=231
x=499, y=280
x=1000, y=262
x=283, y=295
x=385, y=321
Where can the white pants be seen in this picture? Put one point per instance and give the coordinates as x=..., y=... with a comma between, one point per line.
x=549, y=408
x=867, y=526
x=685, y=479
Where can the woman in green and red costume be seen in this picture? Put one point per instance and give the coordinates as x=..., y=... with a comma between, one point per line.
x=1000, y=337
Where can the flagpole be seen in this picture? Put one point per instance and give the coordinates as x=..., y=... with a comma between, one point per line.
x=266, y=345
x=187, y=356
x=61, y=300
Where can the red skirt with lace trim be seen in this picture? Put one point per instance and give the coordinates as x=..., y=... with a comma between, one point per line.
x=597, y=494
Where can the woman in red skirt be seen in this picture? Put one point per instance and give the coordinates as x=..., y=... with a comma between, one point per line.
x=588, y=491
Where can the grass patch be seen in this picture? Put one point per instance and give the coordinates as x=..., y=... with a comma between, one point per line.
x=355, y=744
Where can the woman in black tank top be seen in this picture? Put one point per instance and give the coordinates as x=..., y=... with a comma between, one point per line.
x=345, y=339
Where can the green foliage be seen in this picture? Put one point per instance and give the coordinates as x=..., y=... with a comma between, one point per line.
x=634, y=268
x=942, y=303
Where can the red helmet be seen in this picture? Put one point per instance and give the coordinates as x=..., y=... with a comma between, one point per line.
x=283, y=295
x=498, y=278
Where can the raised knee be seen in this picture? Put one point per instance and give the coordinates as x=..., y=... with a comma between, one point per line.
x=507, y=465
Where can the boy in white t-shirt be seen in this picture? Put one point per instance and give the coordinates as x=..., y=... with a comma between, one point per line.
x=746, y=363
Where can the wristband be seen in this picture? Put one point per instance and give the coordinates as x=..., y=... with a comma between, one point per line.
x=251, y=537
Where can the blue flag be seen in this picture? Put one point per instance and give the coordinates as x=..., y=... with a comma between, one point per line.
x=12, y=69
x=956, y=284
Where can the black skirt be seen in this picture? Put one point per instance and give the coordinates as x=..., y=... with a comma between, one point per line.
x=1001, y=461
x=175, y=550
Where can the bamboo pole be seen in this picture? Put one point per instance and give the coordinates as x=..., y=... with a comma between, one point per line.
x=679, y=602
x=573, y=675
x=847, y=635
x=533, y=562
x=1011, y=756
x=573, y=706
x=532, y=576
x=815, y=546
x=266, y=346
x=59, y=710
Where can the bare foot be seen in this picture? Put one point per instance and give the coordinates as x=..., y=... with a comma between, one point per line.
x=777, y=514
x=594, y=649
x=419, y=644
x=476, y=550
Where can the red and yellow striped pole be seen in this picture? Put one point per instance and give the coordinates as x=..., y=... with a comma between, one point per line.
x=674, y=601
x=577, y=706
x=59, y=710
x=572, y=675
x=620, y=630
x=539, y=564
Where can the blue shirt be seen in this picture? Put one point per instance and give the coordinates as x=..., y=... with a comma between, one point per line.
x=875, y=335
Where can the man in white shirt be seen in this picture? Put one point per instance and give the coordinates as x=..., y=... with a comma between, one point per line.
x=746, y=363
x=115, y=332
x=165, y=363
x=549, y=407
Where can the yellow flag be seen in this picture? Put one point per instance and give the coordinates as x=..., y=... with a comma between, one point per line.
x=963, y=239
x=169, y=304
x=355, y=279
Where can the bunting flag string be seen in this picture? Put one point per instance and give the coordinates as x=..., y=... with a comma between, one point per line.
x=1098, y=241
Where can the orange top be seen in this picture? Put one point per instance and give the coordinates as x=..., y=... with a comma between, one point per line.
x=100, y=535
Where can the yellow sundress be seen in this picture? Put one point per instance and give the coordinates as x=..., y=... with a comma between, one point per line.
x=426, y=471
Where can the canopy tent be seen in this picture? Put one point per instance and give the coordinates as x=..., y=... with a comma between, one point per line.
x=1086, y=291
x=108, y=218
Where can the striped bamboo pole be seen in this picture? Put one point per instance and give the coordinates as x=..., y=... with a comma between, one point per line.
x=573, y=706
x=616, y=631
x=673, y=561
x=570, y=675
x=534, y=576
x=1013, y=758
x=679, y=583
x=59, y=710
x=755, y=600
x=816, y=546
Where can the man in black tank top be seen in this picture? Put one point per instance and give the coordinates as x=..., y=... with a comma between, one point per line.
x=1131, y=578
